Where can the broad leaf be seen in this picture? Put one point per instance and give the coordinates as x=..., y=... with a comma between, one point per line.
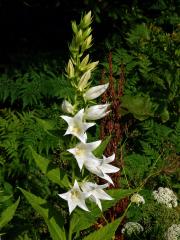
x=106, y=232
x=99, y=150
x=53, y=219
x=4, y=198
x=8, y=214
x=56, y=175
x=140, y=106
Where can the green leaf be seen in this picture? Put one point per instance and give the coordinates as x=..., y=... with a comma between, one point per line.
x=8, y=214
x=56, y=175
x=40, y=161
x=106, y=232
x=99, y=150
x=176, y=186
x=164, y=115
x=82, y=220
x=140, y=106
x=53, y=219
x=4, y=198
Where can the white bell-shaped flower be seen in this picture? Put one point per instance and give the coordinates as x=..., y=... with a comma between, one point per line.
x=75, y=197
x=101, y=167
x=96, y=192
x=77, y=126
x=83, y=151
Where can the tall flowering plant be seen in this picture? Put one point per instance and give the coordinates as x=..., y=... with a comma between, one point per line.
x=80, y=111
x=79, y=187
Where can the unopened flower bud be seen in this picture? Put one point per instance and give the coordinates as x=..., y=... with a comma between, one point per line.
x=84, y=81
x=67, y=107
x=87, y=43
x=84, y=61
x=96, y=112
x=79, y=37
x=95, y=92
x=86, y=21
x=87, y=32
x=92, y=65
x=89, y=66
x=74, y=27
x=70, y=69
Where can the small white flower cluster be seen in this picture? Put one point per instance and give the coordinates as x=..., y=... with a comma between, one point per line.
x=77, y=126
x=137, y=198
x=131, y=228
x=165, y=196
x=173, y=232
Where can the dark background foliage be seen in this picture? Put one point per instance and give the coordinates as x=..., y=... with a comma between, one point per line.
x=31, y=27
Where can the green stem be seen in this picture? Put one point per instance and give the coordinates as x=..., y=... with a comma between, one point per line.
x=106, y=221
x=125, y=212
x=151, y=173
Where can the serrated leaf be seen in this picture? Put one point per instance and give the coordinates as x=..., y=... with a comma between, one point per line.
x=106, y=232
x=46, y=124
x=54, y=220
x=136, y=166
x=56, y=175
x=8, y=214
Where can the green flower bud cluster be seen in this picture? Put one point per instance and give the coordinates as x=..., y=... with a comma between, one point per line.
x=79, y=67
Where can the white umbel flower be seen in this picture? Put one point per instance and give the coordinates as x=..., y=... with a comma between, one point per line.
x=77, y=126
x=75, y=197
x=173, y=232
x=137, y=198
x=96, y=192
x=94, y=92
x=165, y=196
x=131, y=228
x=83, y=152
x=96, y=112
